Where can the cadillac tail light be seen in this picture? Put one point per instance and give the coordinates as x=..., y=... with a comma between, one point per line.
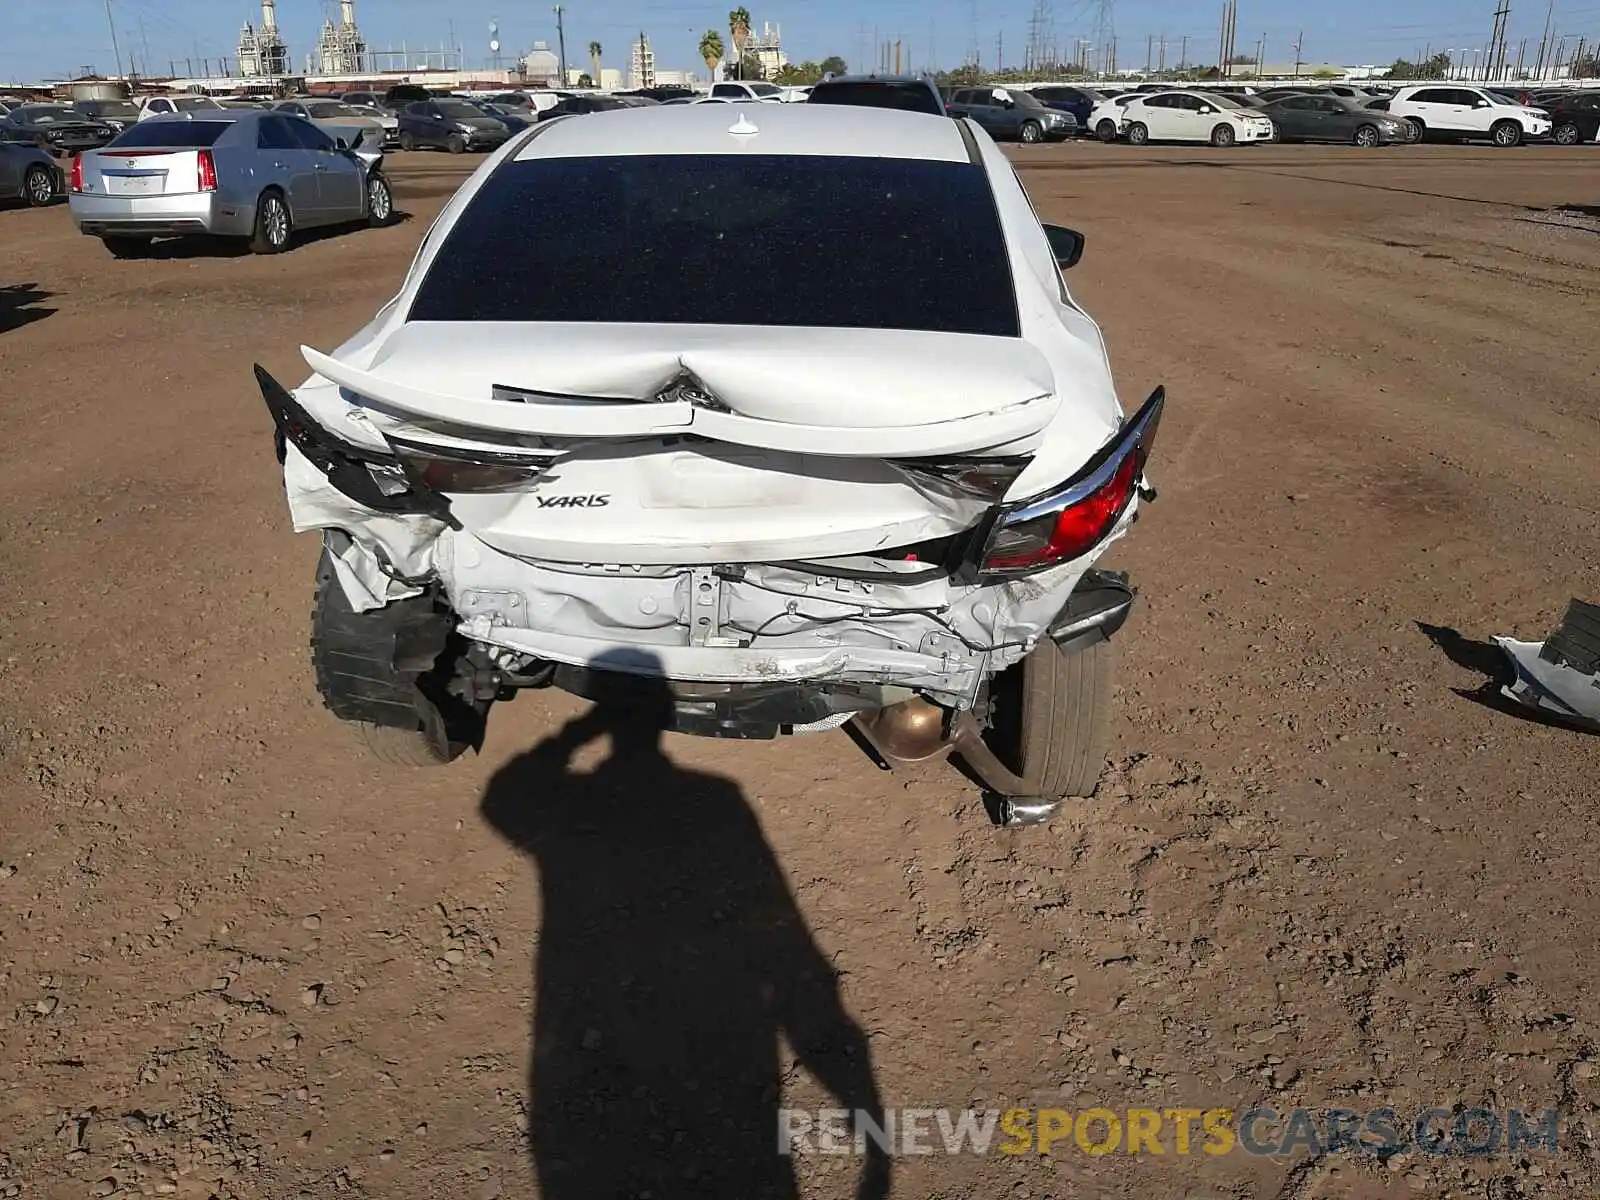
x=208, y=171
x=1076, y=517
x=75, y=181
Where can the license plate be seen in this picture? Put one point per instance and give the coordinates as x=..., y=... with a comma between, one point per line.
x=135, y=185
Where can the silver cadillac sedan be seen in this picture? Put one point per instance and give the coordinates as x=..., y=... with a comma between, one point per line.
x=229, y=172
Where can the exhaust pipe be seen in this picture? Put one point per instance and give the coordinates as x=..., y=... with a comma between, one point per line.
x=916, y=730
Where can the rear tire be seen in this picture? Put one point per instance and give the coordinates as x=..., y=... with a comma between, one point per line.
x=353, y=655
x=1053, y=717
x=38, y=187
x=456, y=144
x=1566, y=134
x=1106, y=131
x=1137, y=134
x=1418, y=129
x=1223, y=135
x=1032, y=132
x=1367, y=135
x=122, y=246
x=273, y=226
x=1506, y=134
x=380, y=201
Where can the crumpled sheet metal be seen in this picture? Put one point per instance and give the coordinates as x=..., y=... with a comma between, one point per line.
x=1552, y=688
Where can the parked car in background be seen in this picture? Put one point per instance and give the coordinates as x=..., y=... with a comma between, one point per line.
x=1107, y=119
x=233, y=173
x=1080, y=102
x=118, y=114
x=1012, y=115
x=1192, y=117
x=737, y=90
x=339, y=120
x=908, y=93
x=1278, y=93
x=570, y=106
x=402, y=94
x=1467, y=113
x=514, y=119
x=760, y=511
x=389, y=123
x=366, y=100
x=449, y=124
x=29, y=174
x=1333, y=118
x=166, y=106
x=1349, y=91
x=58, y=128
x=258, y=105
x=1575, y=118
x=663, y=93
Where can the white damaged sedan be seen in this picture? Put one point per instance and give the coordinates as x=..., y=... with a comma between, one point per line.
x=731, y=412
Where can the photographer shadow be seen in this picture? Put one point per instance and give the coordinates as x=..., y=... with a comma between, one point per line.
x=671, y=964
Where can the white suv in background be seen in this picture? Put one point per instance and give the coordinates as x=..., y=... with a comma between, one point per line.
x=1467, y=112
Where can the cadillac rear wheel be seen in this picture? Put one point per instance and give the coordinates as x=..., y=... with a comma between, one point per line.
x=38, y=187
x=273, y=227
x=380, y=200
x=1051, y=717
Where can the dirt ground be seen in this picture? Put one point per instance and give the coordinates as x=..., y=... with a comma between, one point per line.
x=238, y=961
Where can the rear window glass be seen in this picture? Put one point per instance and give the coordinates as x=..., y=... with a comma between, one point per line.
x=178, y=134
x=743, y=239
x=908, y=97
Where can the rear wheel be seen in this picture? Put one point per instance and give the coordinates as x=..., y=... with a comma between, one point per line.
x=1565, y=134
x=455, y=143
x=38, y=187
x=385, y=672
x=1031, y=132
x=1506, y=133
x=127, y=247
x=1367, y=136
x=1222, y=135
x=1138, y=135
x=407, y=142
x=1051, y=717
x=1106, y=131
x=1417, y=128
x=380, y=200
x=273, y=227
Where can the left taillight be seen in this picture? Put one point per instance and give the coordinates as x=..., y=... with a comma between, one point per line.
x=75, y=181
x=208, y=171
x=476, y=470
x=1076, y=517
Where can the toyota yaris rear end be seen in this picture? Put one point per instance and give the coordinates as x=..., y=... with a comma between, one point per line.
x=738, y=409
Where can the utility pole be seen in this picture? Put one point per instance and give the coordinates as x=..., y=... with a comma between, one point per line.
x=146, y=43
x=561, y=42
x=114, y=50
x=1183, y=56
x=1544, y=41
x=1161, y=55
x=1497, y=39
x=897, y=56
x=1298, y=41
x=1000, y=52
x=1149, y=44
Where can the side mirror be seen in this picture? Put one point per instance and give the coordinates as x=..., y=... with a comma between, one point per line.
x=1066, y=244
x=1206, y=108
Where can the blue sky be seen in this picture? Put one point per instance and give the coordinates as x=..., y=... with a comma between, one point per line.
x=53, y=37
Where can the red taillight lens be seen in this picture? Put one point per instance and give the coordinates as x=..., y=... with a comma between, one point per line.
x=1077, y=517
x=1067, y=533
x=208, y=171
x=75, y=183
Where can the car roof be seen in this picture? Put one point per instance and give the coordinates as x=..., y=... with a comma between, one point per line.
x=788, y=129
x=210, y=114
x=917, y=79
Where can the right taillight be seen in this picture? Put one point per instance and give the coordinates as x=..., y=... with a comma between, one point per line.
x=75, y=180
x=1076, y=517
x=208, y=171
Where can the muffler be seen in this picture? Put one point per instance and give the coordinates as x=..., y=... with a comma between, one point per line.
x=916, y=730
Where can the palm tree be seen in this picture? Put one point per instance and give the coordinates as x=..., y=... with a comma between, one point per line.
x=711, y=49
x=739, y=27
x=594, y=62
